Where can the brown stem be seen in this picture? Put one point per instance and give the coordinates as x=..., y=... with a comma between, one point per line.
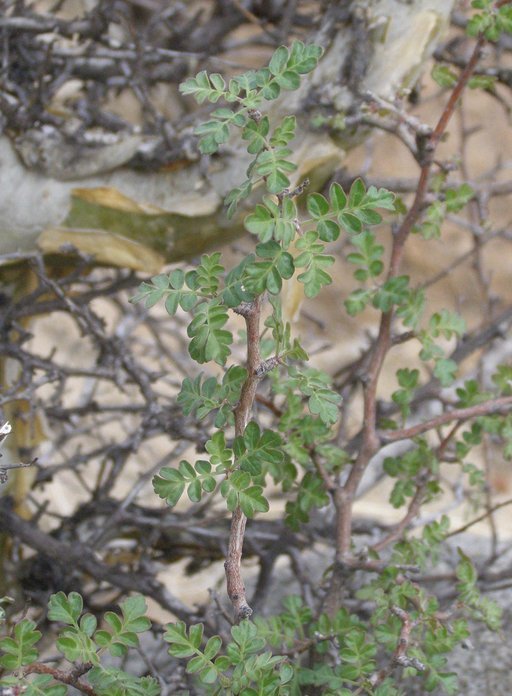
x=71, y=678
x=422, y=187
x=344, y=496
x=234, y=582
x=458, y=414
x=400, y=657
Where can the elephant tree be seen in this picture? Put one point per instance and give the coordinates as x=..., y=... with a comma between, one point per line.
x=80, y=183
x=153, y=195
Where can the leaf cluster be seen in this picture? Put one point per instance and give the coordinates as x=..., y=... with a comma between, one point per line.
x=293, y=230
x=82, y=642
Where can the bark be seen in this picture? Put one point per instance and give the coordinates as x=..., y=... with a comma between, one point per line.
x=57, y=195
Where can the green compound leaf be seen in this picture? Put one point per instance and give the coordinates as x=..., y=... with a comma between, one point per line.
x=168, y=287
x=447, y=324
x=319, y=209
x=255, y=449
x=485, y=82
x=269, y=275
x=121, y=631
x=433, y=218
x=311, y=494
x=41, y=685
x=256, y=133
x=201, y=398
x=65, y=609
x=110, y=681
x=236, y=195
x=358, y=300
x=246, y=641
x=238, y=491
x=268, y=87
x=490, y=23
x=216, y=131
x=503, y=379
x=273, y=166
x=134, y=611
x=261, y=223
x=446, y=371
x=206, y=277
x=412, y=307
x=75, y=645
x=304, y=57
x=204, y=87
x=220, y=455
x=284, y=132
x=408, y=380
x=325, y=404
x=315, y=261
x=457, y=198
x=314, y=384
x=393, y=292
x=213, y=133
x=368, y=256
x=183, y=644
x=209, y=340
x=401, y=491
x=234, y=291
x=153, y=292
x=273, y=221
x=169, y=485
x=361, y=207
x=443, y=75
x=19, y=650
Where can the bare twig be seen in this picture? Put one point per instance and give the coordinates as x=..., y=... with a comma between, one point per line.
x=78, y=556
x=500, y=405
x=480, y=518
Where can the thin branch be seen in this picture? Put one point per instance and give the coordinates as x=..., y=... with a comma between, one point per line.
x=399, y=657
x=412, y=511
x=344, y=496
x=501, y=405
x=71, y=678
x=79, y=556
x=480, y=518
x=234, y=582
